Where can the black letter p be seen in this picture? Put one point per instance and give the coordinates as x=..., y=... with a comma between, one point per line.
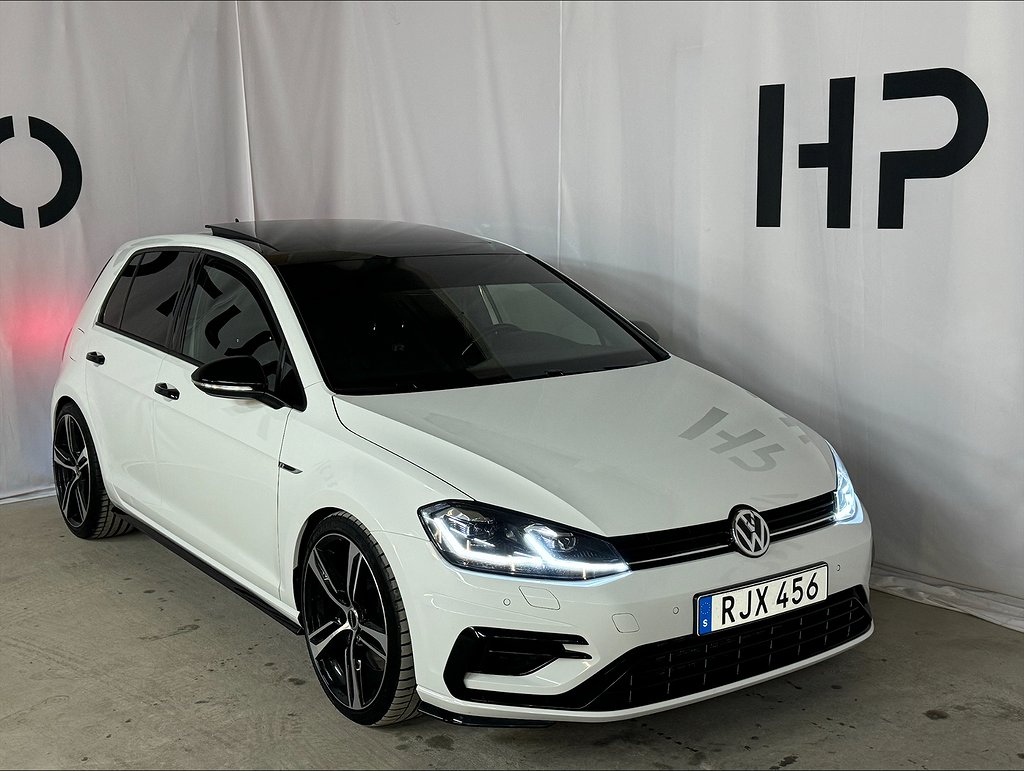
x=895, y=168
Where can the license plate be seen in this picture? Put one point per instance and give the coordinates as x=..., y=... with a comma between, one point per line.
x=753, y=602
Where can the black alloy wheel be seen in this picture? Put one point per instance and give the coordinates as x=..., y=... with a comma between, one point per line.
x=82, y=498
x=356, y=631
x=71, y=472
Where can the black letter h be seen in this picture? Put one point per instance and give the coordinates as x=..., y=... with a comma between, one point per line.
x=836, y=154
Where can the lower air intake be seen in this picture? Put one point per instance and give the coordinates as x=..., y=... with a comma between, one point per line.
x=689, y=665
x=683, y=666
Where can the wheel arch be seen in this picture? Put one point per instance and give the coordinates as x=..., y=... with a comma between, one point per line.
x=308, y=526
x=58, y=406
x=77, y=401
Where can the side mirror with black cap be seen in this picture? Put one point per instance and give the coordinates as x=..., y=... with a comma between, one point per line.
x=647, y=329
x=235, y=377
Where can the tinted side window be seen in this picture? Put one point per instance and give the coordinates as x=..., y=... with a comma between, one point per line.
x=159, y=277
x=114, y=305
x=227, y=318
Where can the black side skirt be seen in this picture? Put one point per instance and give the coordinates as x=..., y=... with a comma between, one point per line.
x=215, y=574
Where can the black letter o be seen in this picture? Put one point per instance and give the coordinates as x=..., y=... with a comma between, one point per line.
x=66, y=197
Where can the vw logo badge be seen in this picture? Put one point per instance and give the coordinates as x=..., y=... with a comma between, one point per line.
x=750, y=532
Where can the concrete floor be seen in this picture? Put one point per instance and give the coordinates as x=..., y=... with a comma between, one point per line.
x=119, y=654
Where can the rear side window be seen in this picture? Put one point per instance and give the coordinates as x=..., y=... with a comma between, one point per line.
x=156, y=281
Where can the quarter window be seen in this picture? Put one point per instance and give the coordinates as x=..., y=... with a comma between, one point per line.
x=113, y=308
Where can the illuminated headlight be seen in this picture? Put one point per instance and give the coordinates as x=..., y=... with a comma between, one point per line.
x=494, y=540
x=847, y=503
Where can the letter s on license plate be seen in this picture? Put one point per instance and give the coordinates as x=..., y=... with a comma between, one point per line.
x=753, y=602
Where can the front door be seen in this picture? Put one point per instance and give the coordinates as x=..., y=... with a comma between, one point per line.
x=218, y=458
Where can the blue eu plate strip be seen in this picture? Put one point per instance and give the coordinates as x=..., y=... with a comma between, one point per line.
x=704, y=615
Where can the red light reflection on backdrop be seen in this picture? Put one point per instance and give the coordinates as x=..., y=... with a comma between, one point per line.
x=36, y=324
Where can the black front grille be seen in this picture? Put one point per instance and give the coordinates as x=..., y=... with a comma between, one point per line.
x=682, y=544
x=802, y=517
x=687, y=665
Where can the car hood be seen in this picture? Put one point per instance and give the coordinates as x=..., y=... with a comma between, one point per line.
x=638, y=449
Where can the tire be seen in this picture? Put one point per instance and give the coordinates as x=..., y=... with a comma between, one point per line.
x=356, y=630
x=83, y=501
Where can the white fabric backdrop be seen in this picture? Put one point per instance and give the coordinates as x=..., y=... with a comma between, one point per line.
x=616, y=140
x=445, y=113
x=903, y=347
x=150, y=96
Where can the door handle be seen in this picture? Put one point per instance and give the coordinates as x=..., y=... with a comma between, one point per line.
x=165, y=390
x=95, y=357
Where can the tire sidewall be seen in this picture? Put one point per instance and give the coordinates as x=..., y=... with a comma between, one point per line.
x=342, y=525
x=96, y=489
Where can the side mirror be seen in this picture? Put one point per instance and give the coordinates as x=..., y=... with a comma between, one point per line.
x=647, y=329
x=235, y=377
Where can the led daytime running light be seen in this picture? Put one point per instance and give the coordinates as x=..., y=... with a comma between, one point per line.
x=493, y=540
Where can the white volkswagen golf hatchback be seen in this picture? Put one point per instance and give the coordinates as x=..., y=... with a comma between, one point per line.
x=474, y=488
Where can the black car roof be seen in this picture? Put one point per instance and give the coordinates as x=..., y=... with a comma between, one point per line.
x=294, y=241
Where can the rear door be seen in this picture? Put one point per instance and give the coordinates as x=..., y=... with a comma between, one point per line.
x=124, y=351
x=219, y=457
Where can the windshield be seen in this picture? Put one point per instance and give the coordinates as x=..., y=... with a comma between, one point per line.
x=390, y=325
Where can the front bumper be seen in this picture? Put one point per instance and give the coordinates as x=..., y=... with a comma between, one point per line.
x=635, y=624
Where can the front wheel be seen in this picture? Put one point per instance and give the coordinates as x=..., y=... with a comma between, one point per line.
x=355, y=624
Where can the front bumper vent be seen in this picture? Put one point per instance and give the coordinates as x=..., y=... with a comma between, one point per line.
x=486, y=651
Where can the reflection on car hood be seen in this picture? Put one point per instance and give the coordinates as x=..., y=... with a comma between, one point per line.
x=632, y=450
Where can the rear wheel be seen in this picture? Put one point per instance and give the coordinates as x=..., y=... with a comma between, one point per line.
x=83, y=500
x=355, y=624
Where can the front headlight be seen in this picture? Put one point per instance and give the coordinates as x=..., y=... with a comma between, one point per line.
x=481, y=537
x=847, y=502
